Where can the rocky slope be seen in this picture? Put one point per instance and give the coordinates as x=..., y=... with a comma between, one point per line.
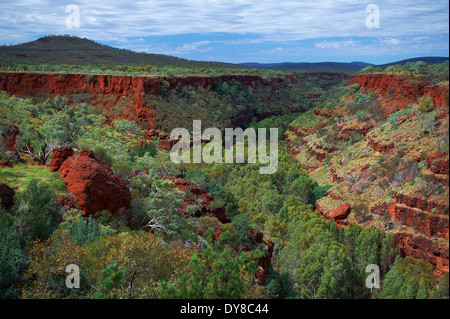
x=389, y=170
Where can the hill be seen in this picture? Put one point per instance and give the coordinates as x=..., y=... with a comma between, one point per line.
x=75, y=50
x=433, y=60
x=337, y=66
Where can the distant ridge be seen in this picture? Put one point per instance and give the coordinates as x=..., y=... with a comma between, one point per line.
x=337, y=66
x=319, y=66
x=429, y=59
x=59, y=49
x=64, y=49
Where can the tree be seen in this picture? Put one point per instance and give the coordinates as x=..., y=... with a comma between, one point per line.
x=34, y=137
x=213, y=275
x=161, y=207
x=84, y=232
x=72, y=122
x=37, y=141
x=12, y=257
x=146, y=258
x=110, y=280
x=159, y=167
x=14, y=111
x=409, y=278
x=127, y=126
x=37, y=211
x=327, y=273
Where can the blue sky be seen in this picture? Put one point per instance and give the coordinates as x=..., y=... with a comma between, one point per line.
x=243, y=30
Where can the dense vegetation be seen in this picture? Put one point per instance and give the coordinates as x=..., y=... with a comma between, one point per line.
x=161, y=253
x=228, y=104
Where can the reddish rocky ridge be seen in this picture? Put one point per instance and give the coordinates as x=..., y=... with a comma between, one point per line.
x=402, y=87
x=110, y=90
x=424, y=225
x=421, y=247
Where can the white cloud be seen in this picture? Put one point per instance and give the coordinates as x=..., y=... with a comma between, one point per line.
x=195, y=46
x=277, y=20
x=390, y=41
x=335, y=44
x=289, y=28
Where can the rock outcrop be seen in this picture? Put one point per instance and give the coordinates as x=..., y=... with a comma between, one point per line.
x=421, y=247
x=201, y=198
x=6, y=196
x=59, y=156
x=5, y=163
x=421, y=225
x=111, y=90
x=402, y=88
x=91, y=181
x=341, y=212
x=264, y=263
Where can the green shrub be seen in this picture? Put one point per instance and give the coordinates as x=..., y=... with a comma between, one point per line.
x=352, y=89
x=38, y=211
x=426, y=104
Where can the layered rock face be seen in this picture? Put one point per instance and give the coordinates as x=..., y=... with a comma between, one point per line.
x=91, y=181
x=401, y=87
x=416, y=214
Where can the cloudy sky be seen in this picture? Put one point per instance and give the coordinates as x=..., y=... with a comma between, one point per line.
x=376, y=31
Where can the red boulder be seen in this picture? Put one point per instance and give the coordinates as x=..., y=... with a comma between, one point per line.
x=6, y=163
x=92, y=183
x=341, y=212
x=59, y=156
x=6, y=196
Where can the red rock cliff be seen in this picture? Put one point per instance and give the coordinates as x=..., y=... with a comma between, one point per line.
x=400, y=86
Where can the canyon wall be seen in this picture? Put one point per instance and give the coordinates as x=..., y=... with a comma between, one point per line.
x=421, y=224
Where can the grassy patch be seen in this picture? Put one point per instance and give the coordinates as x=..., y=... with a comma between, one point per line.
x=20, y=175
